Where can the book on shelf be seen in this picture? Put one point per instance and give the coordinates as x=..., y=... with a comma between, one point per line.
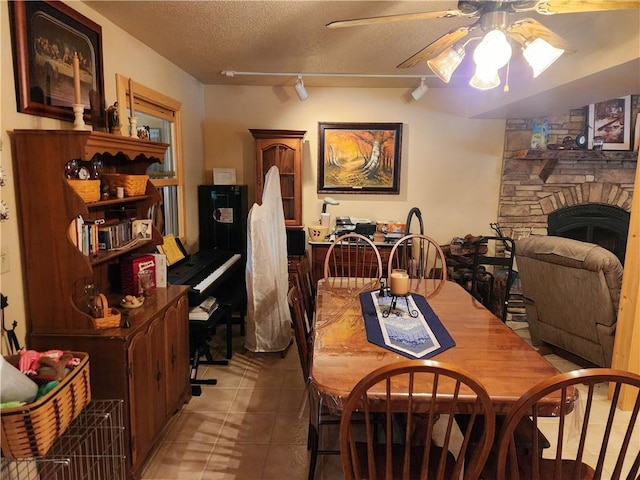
x=84, y=234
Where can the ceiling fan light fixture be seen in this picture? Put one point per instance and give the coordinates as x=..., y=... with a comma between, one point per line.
x=447, y=62
x=300, y=90
x=540, y=54
x=493, y=51
x=485, y=78
x=421, y=90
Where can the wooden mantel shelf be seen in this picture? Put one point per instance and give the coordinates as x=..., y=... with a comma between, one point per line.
x=575, y=155
x=551, y=157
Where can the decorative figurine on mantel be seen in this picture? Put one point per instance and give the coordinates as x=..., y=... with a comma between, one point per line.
x=113, y=119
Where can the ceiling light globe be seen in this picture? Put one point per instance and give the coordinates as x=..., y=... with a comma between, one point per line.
x=494, y=51
x=485, y=78
x=447, y=62
x=540, y=54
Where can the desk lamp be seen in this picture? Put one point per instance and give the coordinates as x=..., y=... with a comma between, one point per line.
x=325, y=218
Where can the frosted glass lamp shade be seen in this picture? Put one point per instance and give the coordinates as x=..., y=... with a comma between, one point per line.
x=447, y=62
x=540, y=54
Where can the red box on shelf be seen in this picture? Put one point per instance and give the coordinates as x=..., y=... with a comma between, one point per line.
x=130, y=267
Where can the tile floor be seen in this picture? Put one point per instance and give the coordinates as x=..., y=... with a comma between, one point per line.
x=252, y=425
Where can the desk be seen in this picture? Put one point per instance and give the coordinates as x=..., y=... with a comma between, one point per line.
x=488, y=349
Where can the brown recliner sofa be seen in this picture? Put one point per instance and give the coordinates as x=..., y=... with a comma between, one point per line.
x=572, y=291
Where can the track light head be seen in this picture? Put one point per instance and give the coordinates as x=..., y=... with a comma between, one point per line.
x=421, y=90
x=300, y=90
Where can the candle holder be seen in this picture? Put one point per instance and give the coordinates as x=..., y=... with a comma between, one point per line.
x=392, y=306
x=78, y=113
x=133, y=127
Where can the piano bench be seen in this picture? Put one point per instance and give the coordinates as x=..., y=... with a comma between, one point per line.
x=236, y=304
x=200, y=332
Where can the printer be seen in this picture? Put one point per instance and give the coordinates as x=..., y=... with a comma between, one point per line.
x=363, y=226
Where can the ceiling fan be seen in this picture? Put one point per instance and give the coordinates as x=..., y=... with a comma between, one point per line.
x=492, y=30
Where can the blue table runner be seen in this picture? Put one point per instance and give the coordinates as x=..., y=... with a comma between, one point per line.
x=421, y=337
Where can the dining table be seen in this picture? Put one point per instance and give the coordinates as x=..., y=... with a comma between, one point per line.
x=485, y=347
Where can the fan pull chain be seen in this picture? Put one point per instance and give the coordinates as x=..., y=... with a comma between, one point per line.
x=506, y=79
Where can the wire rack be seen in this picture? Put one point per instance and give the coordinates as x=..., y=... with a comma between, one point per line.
x=92, y=448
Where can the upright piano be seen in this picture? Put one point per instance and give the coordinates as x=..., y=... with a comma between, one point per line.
x=216, y=273
x=208, y=273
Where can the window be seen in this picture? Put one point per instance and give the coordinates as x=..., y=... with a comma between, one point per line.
x=160, y=116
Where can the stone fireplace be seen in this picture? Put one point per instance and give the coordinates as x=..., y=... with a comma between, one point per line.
x=541, y=189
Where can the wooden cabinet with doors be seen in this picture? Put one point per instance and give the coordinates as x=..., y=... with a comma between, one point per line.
x=319, y=252
x=145, y=361
x=282, y=148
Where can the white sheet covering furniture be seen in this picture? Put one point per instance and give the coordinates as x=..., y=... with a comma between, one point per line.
x=268, y=316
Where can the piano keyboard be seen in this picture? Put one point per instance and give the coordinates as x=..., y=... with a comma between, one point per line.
x=217, y=273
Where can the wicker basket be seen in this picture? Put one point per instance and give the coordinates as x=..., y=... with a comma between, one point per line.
x=30, y=430
x=133, y=184
x=89, y=190
x=110, y=320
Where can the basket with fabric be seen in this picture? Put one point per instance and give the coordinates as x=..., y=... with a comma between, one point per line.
x=30, y=430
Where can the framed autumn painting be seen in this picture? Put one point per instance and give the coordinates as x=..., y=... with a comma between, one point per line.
x=359, y=157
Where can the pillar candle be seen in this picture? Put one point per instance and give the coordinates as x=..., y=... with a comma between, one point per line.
x=131, y=109
x=77, y=98
x=399, y=282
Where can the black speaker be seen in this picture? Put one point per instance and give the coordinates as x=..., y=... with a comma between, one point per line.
x=296, y=242
x=223, y=217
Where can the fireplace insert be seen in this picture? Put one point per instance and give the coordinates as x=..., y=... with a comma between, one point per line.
x=602, y=224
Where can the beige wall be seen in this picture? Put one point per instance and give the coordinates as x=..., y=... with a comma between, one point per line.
x=450, y=166
x=122, y=54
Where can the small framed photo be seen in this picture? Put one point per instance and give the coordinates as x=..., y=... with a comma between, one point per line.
x=224, y=176
x=154, y=135
x=610, y=124
x=142, y=229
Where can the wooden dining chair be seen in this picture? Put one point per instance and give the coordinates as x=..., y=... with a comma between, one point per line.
x=352, y=260
x=306, y=287
x=580, y=429
x=421, y=257
x=417, y=398
x=301, y=329
x=320, y=417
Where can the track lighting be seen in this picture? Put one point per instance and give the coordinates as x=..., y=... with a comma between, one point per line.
x=421, y=90
x=300, y=90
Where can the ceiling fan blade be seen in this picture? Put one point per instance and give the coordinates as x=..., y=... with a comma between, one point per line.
x=550, y=7
x=436, y=47
x=530, y=28
x=395, y=18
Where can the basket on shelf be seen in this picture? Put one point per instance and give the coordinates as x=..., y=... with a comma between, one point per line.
x=30, y=430
x=89, y=190
x=111, y=317
x=133, y=184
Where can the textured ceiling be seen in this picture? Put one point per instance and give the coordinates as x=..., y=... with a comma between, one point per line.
x=206, y=37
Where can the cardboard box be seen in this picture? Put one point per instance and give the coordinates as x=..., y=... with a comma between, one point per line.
x=161, y=269
x=130, y=267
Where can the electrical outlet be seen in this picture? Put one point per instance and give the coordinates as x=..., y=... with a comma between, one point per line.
x=4, y=259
